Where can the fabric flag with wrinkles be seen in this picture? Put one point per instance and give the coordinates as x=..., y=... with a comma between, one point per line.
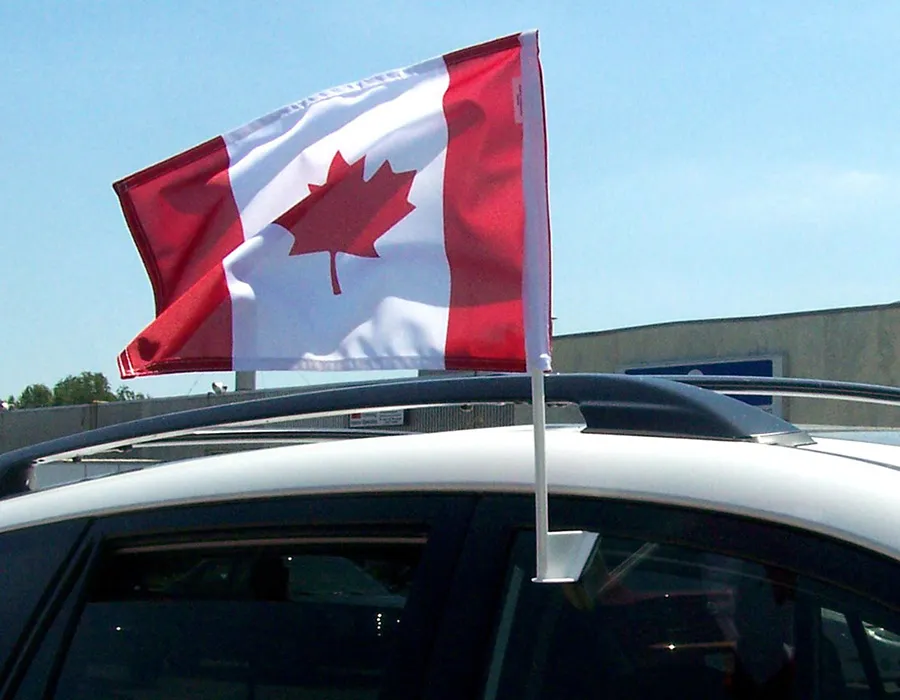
x=400, y=222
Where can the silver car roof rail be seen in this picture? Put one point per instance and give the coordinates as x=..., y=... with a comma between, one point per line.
x=252, y=437
x=613, y=403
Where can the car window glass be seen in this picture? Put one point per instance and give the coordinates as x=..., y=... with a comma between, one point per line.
x=657, y=621
x=292, y=620
x=883, y=652
x=28, y=560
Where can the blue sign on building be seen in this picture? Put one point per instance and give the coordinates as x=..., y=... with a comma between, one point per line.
x=744, y=367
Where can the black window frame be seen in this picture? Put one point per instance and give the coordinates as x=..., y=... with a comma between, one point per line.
x=500, y=518
x=442, y=518
x=447, y=649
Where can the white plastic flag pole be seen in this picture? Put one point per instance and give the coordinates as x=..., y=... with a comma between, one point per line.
x=541, y=510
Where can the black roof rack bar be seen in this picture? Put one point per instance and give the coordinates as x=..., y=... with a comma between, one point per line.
x=794, y=387
x=608, y=402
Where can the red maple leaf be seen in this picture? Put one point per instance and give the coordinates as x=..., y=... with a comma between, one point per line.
x=347, y=214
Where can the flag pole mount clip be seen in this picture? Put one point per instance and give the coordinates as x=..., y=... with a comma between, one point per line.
x=569, y=553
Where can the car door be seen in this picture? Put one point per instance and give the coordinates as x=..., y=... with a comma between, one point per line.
x=675, y=603
x=301, y=597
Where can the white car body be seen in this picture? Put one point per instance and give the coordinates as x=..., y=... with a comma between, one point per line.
x=817, y=487
x=765, y=560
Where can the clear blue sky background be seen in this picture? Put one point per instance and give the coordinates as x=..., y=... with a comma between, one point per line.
x=707, y=159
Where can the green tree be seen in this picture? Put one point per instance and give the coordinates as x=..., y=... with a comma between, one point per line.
x=35, y=396
x=87, y=387
x=124, y=393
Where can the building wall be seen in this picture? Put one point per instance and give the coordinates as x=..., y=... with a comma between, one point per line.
x=19, y=428
x=856, y=344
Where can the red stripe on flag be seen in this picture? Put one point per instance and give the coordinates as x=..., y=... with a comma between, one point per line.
x=192, y=335
x=183, y=217
x=184, y=221
x=484, y=213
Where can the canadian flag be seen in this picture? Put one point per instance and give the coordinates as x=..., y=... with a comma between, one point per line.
x=400, y=222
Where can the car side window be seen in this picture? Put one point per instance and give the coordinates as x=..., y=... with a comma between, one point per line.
x=29, y=559
x=291, y=618
x=653, y=620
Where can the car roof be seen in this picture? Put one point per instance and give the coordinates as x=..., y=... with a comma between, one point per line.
x=846, y=496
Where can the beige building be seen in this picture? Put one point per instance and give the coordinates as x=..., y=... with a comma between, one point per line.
x=859, y=344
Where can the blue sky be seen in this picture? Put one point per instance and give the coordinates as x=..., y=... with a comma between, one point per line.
x=707, y=159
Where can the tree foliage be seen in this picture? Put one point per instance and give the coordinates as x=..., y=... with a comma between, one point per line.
x=87, y=387
x=124, y=393
x=35, y=396
x=84, y=388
